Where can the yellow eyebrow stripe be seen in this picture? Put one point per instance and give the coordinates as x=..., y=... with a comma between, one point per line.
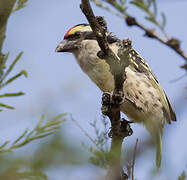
x=79, y=28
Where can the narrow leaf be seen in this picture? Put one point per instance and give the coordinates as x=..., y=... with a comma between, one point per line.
x=51, y=123
x=154, y=8
x=152, y=19
x=20, y=4
x=140, y=5
x=19, y=138
x=11, y=94
x=4, y=144
x=163, y=20
x=12, y=65
x=23, y=72
x=6, y=106
x=40, y=122
x=41, y=136
x=50, y=129
x=59, y=116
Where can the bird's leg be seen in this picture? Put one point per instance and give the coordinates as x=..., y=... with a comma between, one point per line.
x=110, y=99
x=107, y=101
x=125, y=129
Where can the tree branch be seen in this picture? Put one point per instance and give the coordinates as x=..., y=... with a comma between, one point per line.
x=5, y=10
x=172, y=43
x=111, y=103
x=151, y=33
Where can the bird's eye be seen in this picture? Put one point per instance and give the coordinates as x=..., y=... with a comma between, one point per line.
x=74, y=36
x=77, y=34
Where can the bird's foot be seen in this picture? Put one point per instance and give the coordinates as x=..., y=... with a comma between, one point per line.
x=118, y=97
x=106, y=103
x=125, y=129
x=113, y=98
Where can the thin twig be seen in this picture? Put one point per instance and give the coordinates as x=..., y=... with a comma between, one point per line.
x=82, y=129
x=134, y=158
x=98, y=3
x=172, y=43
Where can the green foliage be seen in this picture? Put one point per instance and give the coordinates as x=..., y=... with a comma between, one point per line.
x=121, y=6
x=55, y=151
x=40, y=131
x=15, y=174
x=19, y=5
x=147, y=6
x=150, y=8
x=182, y=176
x=99, y=149
x=6, y=80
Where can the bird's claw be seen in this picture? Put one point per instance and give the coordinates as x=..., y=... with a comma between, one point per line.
x=125, y=129
x=118, y=98
x=113, y=98
x=106, y=103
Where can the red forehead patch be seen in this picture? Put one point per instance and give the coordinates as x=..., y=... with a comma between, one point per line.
x=68, y=32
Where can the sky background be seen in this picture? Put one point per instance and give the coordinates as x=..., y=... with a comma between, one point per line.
x=56, y=84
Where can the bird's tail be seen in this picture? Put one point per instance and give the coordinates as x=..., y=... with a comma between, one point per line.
x=158, y=149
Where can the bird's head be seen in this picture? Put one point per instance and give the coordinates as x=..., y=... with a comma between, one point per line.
x=74, y=37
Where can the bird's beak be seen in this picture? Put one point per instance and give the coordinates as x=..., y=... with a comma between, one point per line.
x=66, y=46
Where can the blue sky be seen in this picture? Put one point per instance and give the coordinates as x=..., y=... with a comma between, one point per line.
x=56, y=84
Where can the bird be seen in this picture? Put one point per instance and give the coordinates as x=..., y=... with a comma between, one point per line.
x=145, y=101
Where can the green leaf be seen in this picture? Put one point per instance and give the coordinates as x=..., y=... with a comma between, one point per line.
x=11, y=94
x=152, y=19
x=23, y=72
x=41, y=136
x=33, y=175
x=52, y=123
x=91, y=149
x=48, y=129
x=20, y=4
x=59, y=116
x=6, y=106
x=39, y=123
x=12, y=66
x=141, y=5
x=119, y=7
x=94, y=161
x=20, y=137
x=37, y=133
x=163, y=20
x=154, y=8
x=182, y=176
x=4, y=144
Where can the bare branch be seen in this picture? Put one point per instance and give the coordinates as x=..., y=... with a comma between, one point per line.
x=172, y=43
